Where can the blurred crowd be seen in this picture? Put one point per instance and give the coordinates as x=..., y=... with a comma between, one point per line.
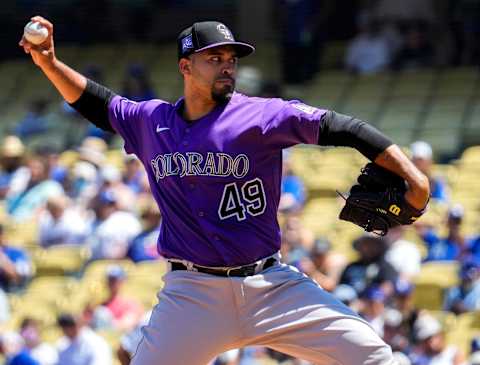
x=107, y=208
x=387, y=35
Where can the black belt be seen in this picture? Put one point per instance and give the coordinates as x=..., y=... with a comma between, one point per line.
x=241, y=271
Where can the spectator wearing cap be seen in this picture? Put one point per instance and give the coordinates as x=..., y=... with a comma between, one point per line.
x=432, y=348
x=14, y=175
x=25, y=204
x=61, y=223
x=373, y=308
x=371, y=267
x=144, y=246
x=393, y=333
x=112, y=229
x=369, y=52
x=466, y=296
x=403, y=302
x=402, y=254
x=347, y=295
x=43, y=352
x=35, y=122
x=112, y=180
x=422, y=157
x=452, y=247
x=80, y=344
x=84, y=183
x=15, y=265
x=118, y=311
x=137, y=83
x=92, y=150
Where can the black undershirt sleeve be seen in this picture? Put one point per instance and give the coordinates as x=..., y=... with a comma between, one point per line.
x=342, y=130
x=93, y=105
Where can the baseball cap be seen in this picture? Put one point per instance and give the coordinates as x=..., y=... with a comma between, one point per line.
x=456, y=211
x=203, y=35
x=12, y=146
x=107, y=197
x=426, y=326
x=421, y=150
x=375, y=294
x=345, y=293
x=403, y=287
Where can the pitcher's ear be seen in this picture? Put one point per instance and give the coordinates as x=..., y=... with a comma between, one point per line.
x=184, y=66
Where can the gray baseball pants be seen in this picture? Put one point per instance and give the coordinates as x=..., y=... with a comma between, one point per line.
x=200, y=316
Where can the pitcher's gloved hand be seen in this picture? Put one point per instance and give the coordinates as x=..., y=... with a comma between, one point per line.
x=377, y=202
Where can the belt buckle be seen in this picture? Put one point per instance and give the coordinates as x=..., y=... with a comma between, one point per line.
x=245, y=270
x=228, y=271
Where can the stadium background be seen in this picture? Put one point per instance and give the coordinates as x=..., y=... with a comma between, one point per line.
x=427, y=87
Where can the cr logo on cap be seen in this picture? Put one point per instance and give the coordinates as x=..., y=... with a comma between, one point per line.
x=224, y=30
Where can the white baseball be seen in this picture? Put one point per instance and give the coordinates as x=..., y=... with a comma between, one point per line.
x=35, y=33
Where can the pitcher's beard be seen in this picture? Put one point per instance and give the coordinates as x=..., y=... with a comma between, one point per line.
x=223, y=94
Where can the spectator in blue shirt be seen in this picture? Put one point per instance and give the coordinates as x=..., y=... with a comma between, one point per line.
x=13, y=348
x=422, y=157
x=144, y=246
x=466, y=296
x=452, y=247
x=15, y=265
x=35, y=121
x=293, y=191
x=23, y=358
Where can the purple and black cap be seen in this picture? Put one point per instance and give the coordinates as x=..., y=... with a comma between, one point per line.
x=204, y=35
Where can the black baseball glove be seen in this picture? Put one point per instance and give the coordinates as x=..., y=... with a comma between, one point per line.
x=377, y=202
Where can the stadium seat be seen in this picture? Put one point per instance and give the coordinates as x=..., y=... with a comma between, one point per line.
x=60, y=260
x=97, y=269
x=428, y=296
x=470, y=320
x=68, y=158
x=448, y=320
x=441, y=273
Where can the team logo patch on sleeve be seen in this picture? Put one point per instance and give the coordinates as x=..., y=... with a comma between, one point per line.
x=305, y=108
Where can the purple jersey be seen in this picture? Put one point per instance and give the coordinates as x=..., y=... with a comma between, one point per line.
x=216, y=180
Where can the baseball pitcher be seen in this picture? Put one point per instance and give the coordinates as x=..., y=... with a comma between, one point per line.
x=214, y=162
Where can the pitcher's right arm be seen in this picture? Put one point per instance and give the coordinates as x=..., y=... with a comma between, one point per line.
x=87, y=97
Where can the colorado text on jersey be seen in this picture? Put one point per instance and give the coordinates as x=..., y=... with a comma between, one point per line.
x=194, y=163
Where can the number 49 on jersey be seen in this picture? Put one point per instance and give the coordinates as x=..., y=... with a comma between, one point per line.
x=238, y=201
